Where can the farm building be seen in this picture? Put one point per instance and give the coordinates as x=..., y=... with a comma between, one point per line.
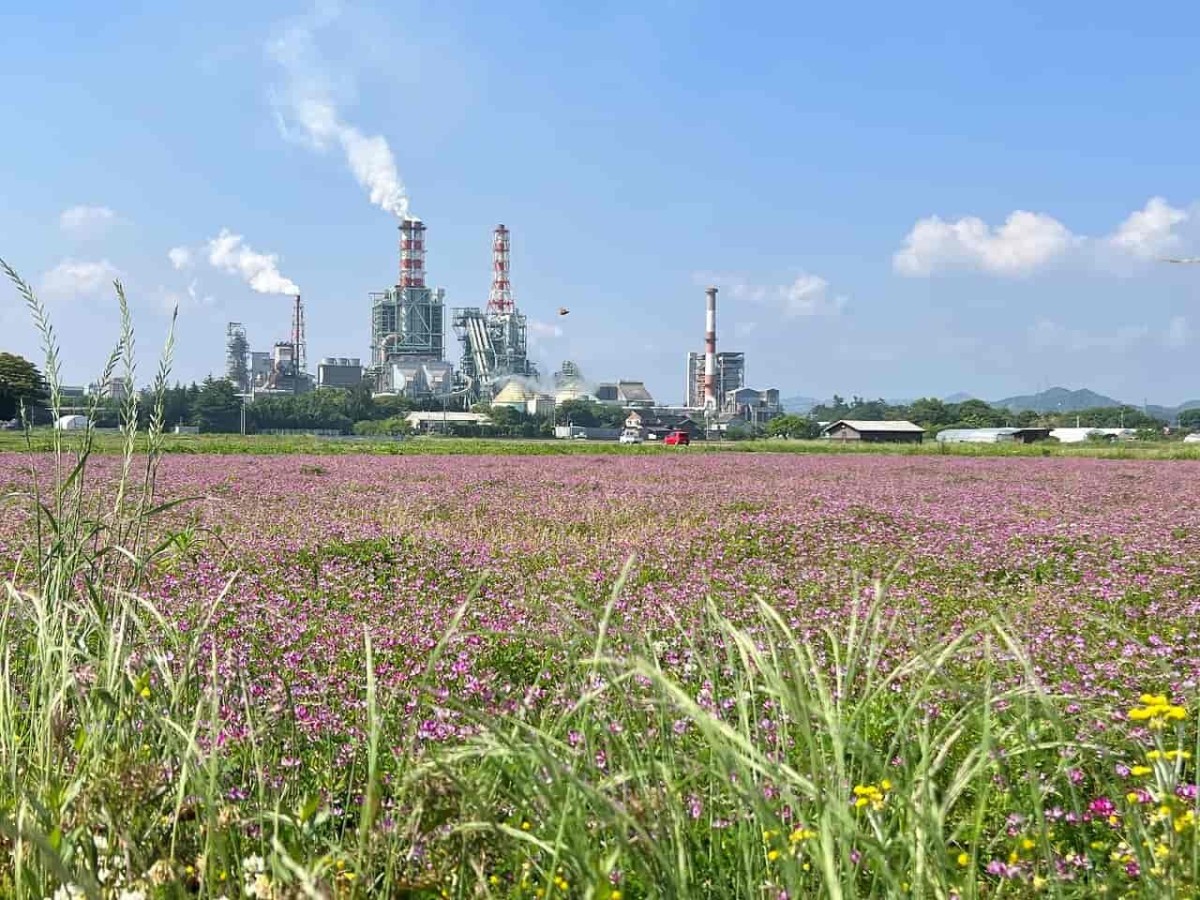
x=71, y=423
x=1079, y=435
x=443, y=421
x=992, y=435
x=894, y=432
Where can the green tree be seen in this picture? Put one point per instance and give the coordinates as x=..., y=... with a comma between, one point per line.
x=218, y=407
x=929, y=411
x=577, y=412
x=793, y=426
x=1190, y=419
x=977, y=414
x=21, y=383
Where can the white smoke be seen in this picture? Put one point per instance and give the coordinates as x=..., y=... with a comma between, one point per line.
x=227, y=253
x=305, y=102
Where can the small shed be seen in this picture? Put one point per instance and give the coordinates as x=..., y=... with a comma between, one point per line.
x=887, y=431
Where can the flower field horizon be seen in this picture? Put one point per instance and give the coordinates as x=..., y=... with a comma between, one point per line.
x=719, y=675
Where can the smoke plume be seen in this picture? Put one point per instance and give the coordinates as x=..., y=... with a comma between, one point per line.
x=306, y=110
x=227, y=253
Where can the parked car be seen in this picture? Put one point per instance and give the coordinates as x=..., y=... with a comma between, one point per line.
x=677, y=439
x=631, y=436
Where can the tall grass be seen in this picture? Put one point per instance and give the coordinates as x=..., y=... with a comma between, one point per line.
x=781, y=761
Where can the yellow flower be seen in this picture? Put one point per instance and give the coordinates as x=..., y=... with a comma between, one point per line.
x=1028, y=844
x=773, y=855
x=615, y=895
x=801, y=834
x=1138, y=771
x=885, y=784
x=868, y=794
x=964, y=859
x=1156, y=710
x=525, y=826
x=146, y=693
x=1038, y=882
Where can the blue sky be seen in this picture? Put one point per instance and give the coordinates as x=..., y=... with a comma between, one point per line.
x=896, y=199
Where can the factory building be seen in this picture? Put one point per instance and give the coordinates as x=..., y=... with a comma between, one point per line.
x=752, y=406
x=117, y=388
x=730, y=375
x=339, y=372
x=633, y=393
x=260, y=368
x=494, y=342
x=408, y=326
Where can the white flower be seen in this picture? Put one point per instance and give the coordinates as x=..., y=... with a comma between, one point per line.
x=135, y=894
x=69, y=892
x=261, y=888
x=254, y=865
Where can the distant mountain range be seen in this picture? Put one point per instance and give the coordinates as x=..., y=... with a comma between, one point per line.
x=1057, y=399
x=1054, y=400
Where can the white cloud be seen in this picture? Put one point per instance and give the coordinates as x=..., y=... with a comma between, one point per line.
x=1045, y=334
x=86, y=221
x=181, y=258
x=306, y=102
x=1028, y=241
x=1179, y=333
x=807, y=295
x=259, y=270
x=1025, y=242
x=1149, y=232
x=78, y=278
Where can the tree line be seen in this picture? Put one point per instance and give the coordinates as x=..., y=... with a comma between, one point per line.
x=936, y=415
x=214, y=406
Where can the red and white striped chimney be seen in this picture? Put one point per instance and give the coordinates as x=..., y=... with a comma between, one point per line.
x=710, y=350
x=412, y=253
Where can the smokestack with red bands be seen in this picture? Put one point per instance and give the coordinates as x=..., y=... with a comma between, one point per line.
x=710, y=350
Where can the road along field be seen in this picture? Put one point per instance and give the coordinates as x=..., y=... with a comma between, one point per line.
x=709, y=675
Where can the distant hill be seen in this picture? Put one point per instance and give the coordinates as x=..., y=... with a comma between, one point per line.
x=960, y=397
x=799, y=405
x=1057, y=399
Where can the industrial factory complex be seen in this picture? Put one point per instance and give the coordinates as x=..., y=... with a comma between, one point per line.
x=408, y=358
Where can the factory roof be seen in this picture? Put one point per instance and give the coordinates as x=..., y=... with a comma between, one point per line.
x=634, y=392
x=514, y=392
x=861, y=425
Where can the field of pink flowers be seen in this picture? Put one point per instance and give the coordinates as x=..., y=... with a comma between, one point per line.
x=805, y=661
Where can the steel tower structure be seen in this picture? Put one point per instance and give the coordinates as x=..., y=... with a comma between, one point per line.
x=500, y=301
x=237, y=352
x=495, y=342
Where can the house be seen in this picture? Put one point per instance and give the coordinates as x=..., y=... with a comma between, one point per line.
x=894, y=432
x=655, y=426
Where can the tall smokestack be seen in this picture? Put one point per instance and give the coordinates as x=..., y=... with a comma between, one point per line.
x=412, y=253
x=710, y=350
